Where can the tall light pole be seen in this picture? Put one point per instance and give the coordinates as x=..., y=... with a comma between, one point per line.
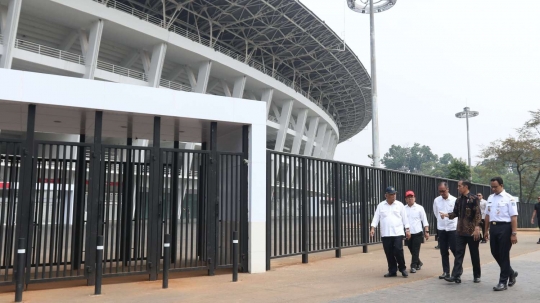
x=372, y=7
x=467, y=113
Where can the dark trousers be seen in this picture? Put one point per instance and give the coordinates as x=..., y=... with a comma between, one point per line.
x=461, y=243
x=415, y=242
x=447, y=239
x=393, y=249
x=500, y=249
x=483, y=222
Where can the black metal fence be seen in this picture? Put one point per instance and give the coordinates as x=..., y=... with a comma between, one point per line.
x=316, y=205
x=132, y=196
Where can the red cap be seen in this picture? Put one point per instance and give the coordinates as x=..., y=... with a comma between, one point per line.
x=409, y=193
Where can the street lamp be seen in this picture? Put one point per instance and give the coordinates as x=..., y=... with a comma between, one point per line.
x=370, y=7
x=467, y=113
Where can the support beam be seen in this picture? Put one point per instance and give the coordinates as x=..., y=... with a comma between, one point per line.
x=69, y=40
x=226, y=89
x=155, y=199
x=312, y=132
x=212, y=83
x=156, y=65
x=94, y=41
x=131, y=59
x=176, y=72
x=321, y=133
x=326, y=144
x=83, y=41
x=239, y=86
x=9, y=32
x=267, y=97
x=191, y=77
x=146, y=61
x=203, y=76
x=330, y=154
x=300, y=126
x=284, y=119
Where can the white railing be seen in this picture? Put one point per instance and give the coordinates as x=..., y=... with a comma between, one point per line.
x=49, y=51
x=197, y=38
x=122, y=71
x=174, y=85
x=1, y=39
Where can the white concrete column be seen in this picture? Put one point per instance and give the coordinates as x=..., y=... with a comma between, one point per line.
x=267, y=97
x=203, y=77
x=10, y=24
x=239, y=86
x=92, y=51
x=312, y=132
x=156, y=64
x=69, y=40
x=326, y=144
x=226, y=89
x=328, y=154
x=300, y=126
x=257, y=198
x=191, y=77
x=321, y=133
x=284, y=119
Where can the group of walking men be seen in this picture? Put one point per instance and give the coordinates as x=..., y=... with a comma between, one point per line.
x=462, y=221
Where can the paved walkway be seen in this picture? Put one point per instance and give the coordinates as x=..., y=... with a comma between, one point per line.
x=353, y=278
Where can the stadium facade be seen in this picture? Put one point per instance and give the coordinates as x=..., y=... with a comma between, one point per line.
x=127, y=82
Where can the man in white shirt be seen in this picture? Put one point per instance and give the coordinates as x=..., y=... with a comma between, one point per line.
x=483, y=205
x=501, y=230
x=446, y=228
x=391, y=214
x=419, y=228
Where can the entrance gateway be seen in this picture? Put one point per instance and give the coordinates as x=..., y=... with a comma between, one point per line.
x=60, y=195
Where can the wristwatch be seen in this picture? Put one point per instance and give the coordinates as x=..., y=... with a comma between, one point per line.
x=514, y=234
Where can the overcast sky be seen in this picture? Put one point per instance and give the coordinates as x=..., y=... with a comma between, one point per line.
x=436, y=57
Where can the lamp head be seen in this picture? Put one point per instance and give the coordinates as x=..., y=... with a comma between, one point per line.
x=362, y=6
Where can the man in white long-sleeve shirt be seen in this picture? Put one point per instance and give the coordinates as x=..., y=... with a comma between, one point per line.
x=394, y=226
x=446, y=228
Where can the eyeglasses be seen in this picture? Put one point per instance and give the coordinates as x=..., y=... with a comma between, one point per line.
x=442, y=191
x=496, y=186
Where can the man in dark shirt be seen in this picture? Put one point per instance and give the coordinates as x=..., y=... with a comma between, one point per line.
x=536, y=213
x=467, y=210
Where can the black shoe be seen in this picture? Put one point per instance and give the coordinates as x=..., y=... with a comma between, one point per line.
x=419, y=266
x=444, y=275
x=404, y=273
x=388, y=275
x=500, y=287
x=413, y=270
x=477, y=280
x=538, y=242
x=453, y=279
x=437, y=247
x=513, y=279
x=483, y=241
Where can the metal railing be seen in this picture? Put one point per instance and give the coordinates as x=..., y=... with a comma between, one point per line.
x=174, y=85
x=316, y=205
x=122, y=71
x=48, y=51
x=197, y=38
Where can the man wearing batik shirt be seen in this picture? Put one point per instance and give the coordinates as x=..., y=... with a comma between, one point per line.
x=467, y=209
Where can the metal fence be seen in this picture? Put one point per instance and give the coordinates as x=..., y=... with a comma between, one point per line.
x=316, y=205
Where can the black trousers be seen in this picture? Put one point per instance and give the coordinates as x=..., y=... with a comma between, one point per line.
x=447, y=240
x=393, y=249
x=483, y=227
x=461, y=243
x=501, y=244
x=415, y=242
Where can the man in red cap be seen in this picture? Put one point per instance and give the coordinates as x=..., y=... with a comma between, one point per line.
x=419, y=228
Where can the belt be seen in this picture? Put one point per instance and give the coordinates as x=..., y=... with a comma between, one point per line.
x=495, y=222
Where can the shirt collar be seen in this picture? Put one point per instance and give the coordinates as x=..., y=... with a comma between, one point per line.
x=412, y=205
x=502, y=192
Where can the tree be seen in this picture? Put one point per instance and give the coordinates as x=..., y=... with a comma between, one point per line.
x=522, y=154
x=408, y=159
x=458, y=170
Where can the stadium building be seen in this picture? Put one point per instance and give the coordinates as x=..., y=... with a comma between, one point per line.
x=98, y=96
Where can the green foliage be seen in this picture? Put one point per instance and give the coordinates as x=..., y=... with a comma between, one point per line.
x=458, y=170
x=408, y=159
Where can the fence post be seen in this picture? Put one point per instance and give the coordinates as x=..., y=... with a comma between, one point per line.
x=305, y=212
x=19, y=275
x=166, y=260
x=99, y=265
x=269, y=208
x=337, y=208
x=365, y=199
x=235, y=256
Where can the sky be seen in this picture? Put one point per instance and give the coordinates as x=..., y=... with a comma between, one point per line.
x=434, y=58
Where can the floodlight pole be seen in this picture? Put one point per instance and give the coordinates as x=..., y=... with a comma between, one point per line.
x=466, y=113
x=374, y=105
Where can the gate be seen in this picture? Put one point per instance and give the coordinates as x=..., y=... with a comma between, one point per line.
x=58, y=211
x=10, y=164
